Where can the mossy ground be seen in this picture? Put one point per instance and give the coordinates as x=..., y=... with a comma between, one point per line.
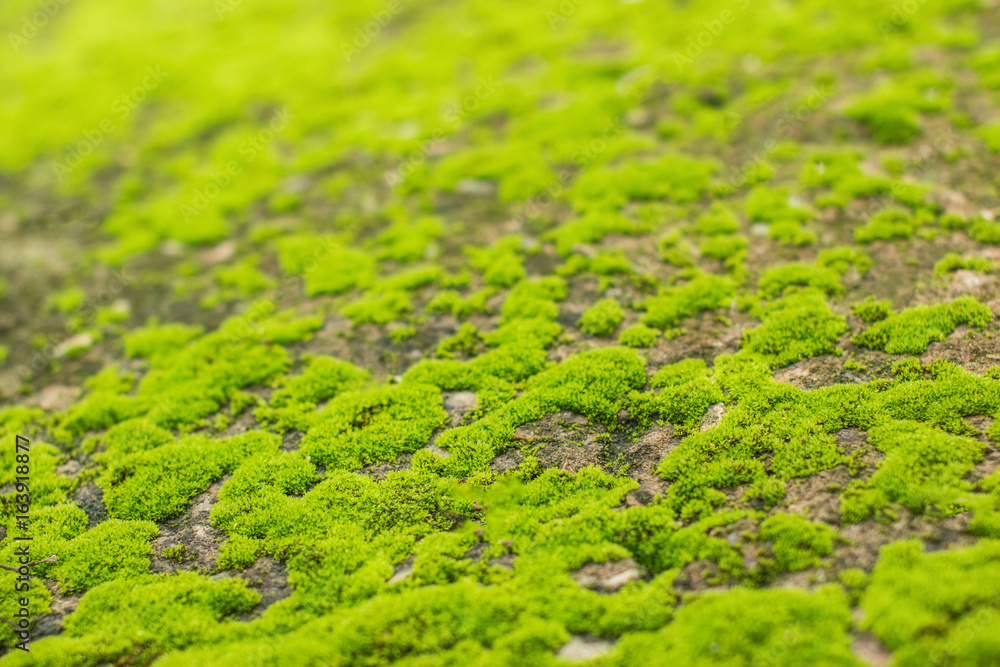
x=428, y=333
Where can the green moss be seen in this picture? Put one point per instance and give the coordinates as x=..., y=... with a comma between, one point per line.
x=378, y=308
x=361, y=427
x=886, y=225
x=140, y=618
x=639, y=335
x=717, y=220
x=842, y=258
x=245, y=277
x=679, y=373
x=602, y=318
x=872, y=309
x=239, y=553
x=113, y=550
x=745, y=627
x=797, y=543
x=936, y=607
x=159, y=483
x=796, y=327
x=923, y=471
x=672, y=305
x=912, y=330
x=591, y=227
x=133, y=435
x=723, y=247
x=326, y=265
x=675, y=177
x=292, y=405
x=953, y=262
x=466, y=341
x=156, y=341
x=776, y=281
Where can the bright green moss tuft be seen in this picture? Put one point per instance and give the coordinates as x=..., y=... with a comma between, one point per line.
x=912, y=330
x=886, y=225
x=717, y=220
x=872, y=309
x=292, y=405
x=797, y=543
x=747, y=627
x=602, y=318
x=704, y=292
x=239, y=553
x=378, y=308
x=953, y=262
x=796, y=327
x=159, y=483
x=679, y=373
x=134, y=435
x=327, y=266
x=141, y=618
x=361, y=427
x=156, y=341
x=639, y=335
x=934, y=608
x=113, y=550
x=777, y=280
x=923, y=471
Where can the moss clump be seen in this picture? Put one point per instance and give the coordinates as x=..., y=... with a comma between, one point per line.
x=602, y=318
x=245, y=277
x=239, y=553
x=746, y=627
x=923, y=471
x=717, y=220
x=156, y=341
x=134, y=435
x=378, y=308
x=466, y=340
x=936, y=607
x=796, y=327
x=912, y=330
x=797, y=543
x=140, y=618
x=952, y=262
x=702, y=293
x=327, y=266
x=361, y=427
x=872, y=310
x=675, y=177
x=639, y=335
x=159, y=483
x=723, y=247
x=777, y=280
x=687, y=394
x=113, y=550
x=293, y=404
x=886, y=225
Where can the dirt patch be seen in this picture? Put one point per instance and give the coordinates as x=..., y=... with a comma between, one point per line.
x=192, y=531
